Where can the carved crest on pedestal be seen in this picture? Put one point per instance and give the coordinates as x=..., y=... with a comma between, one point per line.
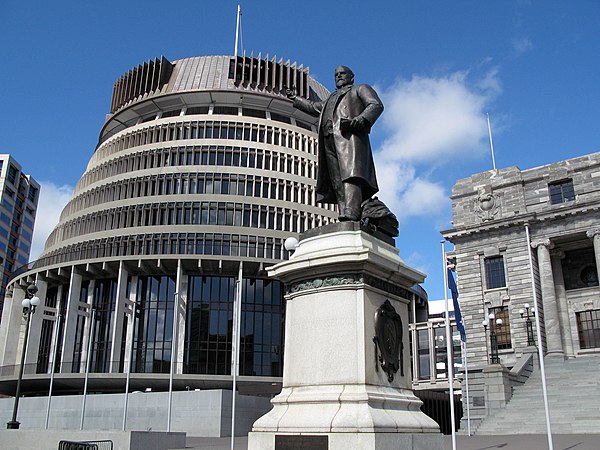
x=487, y=205
x=388, y=340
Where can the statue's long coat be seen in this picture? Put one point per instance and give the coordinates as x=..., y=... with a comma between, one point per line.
x=353, y=150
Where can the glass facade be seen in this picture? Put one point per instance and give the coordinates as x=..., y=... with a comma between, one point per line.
x=105, y=297
x=209, y=326
x=153, y=329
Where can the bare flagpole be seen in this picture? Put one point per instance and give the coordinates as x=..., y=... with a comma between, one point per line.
x=539, y=341
x=491, y=141
x=235, y=350
x=58, y=319
x=87, y=366
x=467, y=388
x=129, y=364
x=449, y=356
x=237, y=30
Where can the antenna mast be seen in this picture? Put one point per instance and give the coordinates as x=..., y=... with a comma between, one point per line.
x=237, y=30
x=491, y=142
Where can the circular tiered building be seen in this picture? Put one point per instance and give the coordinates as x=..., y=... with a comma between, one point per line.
x=202, y=167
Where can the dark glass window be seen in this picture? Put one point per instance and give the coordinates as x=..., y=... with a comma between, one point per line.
x=209, y=326
x=280, y=118
x=105, y=293
x=153, y=329
x=494, y=272
x=502, y=331
x=561, y=191
x=12, y=174
x=579, y=269
x=588, y=327
x=172, y=113
x=254, y=113
x=79, y=330
x=197, y=110
x=423, y=352
x=45, y=344
x=226, y=110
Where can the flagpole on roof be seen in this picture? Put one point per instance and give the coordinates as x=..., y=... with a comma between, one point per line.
x=237, y=30
x=487, y=115
x=449, y=357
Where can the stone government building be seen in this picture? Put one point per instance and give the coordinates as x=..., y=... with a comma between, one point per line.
x=560, y=203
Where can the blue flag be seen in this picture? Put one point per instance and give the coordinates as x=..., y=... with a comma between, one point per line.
x=457, y=315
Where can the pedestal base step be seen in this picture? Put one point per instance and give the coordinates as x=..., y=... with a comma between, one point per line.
x=345, y=441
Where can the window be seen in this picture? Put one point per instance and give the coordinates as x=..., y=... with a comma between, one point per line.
x=579, y=269
x=494, y=272
x=12, y=174
x=502, y=331
x=588, y=327
x=561, y=192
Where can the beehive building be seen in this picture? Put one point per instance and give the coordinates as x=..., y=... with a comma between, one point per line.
x=202, y=166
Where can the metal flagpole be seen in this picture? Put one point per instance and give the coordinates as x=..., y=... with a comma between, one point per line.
x=52, y=370
x=449, y=356
x=491, y=141
x=173, y=360
x=237, y=30
x=235, y=348
x=129, y=365
x=467, y=388
x=87, y=366
x=539, y=339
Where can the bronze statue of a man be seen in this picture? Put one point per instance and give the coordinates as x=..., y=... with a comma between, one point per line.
x=346, y=172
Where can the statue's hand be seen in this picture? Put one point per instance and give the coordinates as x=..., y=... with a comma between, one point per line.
x=291, y=94
x=360, y=125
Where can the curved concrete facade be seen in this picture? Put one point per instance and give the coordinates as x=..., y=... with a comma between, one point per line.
x=202, y=166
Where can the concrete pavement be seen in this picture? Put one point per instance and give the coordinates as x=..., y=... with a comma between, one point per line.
x=508, y=442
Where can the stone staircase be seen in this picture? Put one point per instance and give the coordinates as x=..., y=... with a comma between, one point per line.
x=573, y=397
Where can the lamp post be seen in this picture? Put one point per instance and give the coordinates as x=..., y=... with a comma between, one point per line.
x=494, y=357
x=29, y=305
x=528, y=323
x=484, y=324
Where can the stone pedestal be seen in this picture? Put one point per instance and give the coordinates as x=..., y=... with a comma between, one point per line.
x=335, y=390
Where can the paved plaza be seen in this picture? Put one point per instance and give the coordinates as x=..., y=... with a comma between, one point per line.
x=509, y=442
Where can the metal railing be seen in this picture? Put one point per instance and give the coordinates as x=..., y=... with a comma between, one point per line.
x=85, y=445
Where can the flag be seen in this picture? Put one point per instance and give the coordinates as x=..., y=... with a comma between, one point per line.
x=457, y=315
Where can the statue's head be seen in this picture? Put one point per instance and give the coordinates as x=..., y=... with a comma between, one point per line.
x=343, y=76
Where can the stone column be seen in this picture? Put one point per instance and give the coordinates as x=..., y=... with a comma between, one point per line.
x=12, y=327
x=594, y=234
x=551, y=318
x=35, y=330
x=561, y=302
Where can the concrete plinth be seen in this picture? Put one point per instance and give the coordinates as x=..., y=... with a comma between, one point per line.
x=333, y=383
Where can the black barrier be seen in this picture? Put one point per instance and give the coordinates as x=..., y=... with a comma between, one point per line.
x=87, y=445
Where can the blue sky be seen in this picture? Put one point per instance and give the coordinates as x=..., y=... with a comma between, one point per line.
x=439, y=66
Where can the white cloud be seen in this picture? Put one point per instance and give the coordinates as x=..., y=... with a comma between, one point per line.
x=52, y=200
x=521, y=45
x=433, y=121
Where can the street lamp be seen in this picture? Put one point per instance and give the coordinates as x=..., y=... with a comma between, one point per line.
x=484, y=324
x=29, y=305
x=494, y=358
x=525, y=312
